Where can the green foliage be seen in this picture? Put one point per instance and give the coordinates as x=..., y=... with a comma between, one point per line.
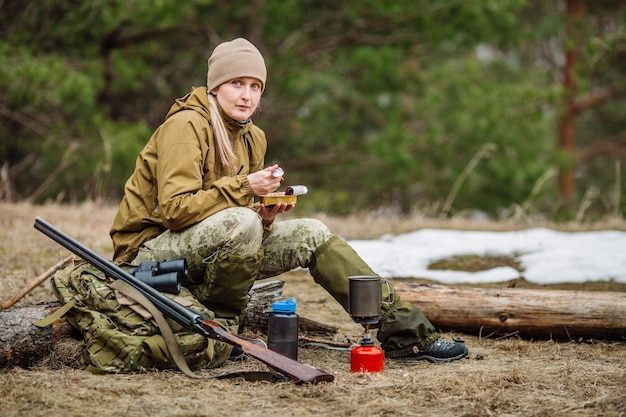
x=466, y=104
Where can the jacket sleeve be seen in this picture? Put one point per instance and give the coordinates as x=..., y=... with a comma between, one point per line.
x=183, y=199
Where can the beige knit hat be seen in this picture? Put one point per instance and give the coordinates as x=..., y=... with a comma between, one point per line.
x=236, y=58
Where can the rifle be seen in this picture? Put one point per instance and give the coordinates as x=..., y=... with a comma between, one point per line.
x=190, y=320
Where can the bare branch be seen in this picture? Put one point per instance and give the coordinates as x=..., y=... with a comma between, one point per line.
x=614, y=147
x=598, y=96
x=23, y=120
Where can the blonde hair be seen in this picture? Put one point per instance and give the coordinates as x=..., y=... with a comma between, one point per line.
x=223, y=143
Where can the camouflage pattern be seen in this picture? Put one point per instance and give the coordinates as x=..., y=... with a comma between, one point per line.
x=120, y=337
x=235, y=231
x=238, y=231
x=229, y=250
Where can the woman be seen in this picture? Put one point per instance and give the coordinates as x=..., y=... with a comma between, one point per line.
x=192, y=195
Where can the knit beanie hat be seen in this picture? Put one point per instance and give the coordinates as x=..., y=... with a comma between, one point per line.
x=233, y=59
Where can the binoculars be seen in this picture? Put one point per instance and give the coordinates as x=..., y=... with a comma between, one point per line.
x=163, y=276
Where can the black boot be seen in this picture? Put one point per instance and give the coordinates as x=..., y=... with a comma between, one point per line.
x=438, y=352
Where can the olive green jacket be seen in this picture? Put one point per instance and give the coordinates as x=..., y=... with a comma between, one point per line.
x=178, y=180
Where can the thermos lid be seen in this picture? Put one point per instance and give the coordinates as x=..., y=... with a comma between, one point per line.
x=287, y=306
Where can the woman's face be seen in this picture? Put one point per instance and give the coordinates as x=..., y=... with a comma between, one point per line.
x=239, y=97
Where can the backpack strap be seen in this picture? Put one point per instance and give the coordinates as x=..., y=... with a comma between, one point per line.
x=165, y=329
x=46, y=321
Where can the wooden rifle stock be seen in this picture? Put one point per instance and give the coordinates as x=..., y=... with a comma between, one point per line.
x=185, y=317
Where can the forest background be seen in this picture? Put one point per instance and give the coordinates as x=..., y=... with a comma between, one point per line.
x=439, y=106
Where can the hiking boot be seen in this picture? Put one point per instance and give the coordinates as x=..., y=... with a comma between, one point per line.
x=438, y=352
x=238, y=354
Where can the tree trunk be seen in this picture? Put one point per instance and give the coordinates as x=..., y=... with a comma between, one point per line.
x=536, y=314
x=575, y=10
x=23, y=344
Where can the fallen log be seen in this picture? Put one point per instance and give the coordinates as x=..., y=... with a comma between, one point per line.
x=533, y=314
x=23, y=344
x=260, y=299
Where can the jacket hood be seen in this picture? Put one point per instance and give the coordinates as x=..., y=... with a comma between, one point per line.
x=195, y=100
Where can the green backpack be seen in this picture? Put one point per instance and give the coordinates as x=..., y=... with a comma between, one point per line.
x=119, y=334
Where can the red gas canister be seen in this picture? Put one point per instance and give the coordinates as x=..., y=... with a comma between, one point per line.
x=367, y=357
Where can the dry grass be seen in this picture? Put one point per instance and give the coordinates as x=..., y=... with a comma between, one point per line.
x=509, y=377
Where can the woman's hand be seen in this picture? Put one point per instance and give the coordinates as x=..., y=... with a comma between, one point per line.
x=268, y=213
x=262, y=182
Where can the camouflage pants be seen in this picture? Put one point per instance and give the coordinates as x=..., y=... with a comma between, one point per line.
x=238, y=231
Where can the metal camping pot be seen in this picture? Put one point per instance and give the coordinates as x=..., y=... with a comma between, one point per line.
x=366, y=298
